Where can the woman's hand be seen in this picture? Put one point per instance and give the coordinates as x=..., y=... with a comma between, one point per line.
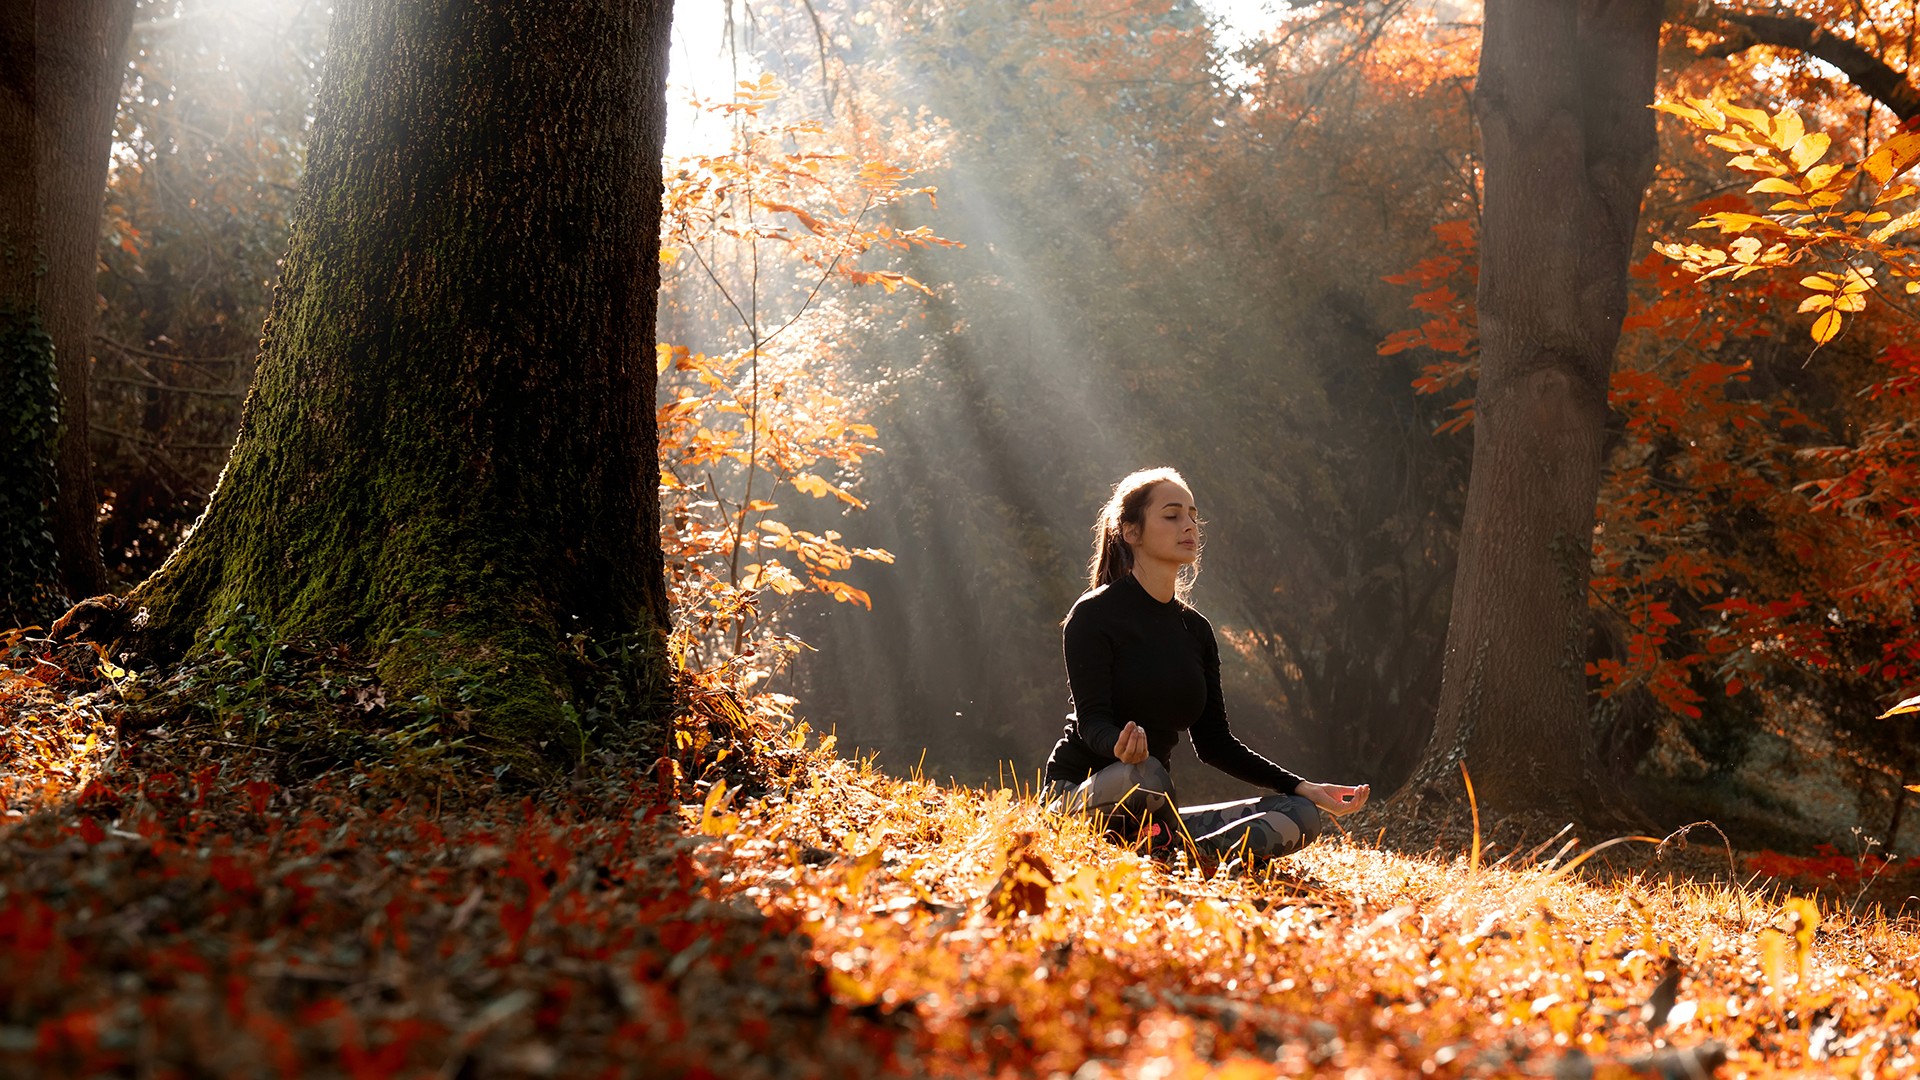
x=1131, y=746
x=1335, y=799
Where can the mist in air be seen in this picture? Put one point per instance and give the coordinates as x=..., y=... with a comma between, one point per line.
x=1153, y=273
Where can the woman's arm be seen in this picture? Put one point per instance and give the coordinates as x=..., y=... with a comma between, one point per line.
x=1213, y=741
x=1090, y=680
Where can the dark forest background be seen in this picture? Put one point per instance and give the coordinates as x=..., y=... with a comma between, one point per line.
x=1182, y=247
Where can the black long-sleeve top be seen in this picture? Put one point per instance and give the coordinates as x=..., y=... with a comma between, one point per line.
x=1133, y=658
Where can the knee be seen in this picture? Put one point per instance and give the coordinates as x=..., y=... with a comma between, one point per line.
x=1310, y=818
x=1153, y=776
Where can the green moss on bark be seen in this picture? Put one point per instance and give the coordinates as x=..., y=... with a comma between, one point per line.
x=447, y=459
x=29, y=433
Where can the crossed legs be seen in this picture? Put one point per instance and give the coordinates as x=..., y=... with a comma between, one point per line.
x=1269, y=826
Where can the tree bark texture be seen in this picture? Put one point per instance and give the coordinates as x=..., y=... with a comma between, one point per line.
x=60, y=74
x=448, y=454
x=83, y=63
x=1569, y=146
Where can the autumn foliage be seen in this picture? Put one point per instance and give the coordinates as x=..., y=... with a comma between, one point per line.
x=294, y=876
x=1752, y=553
x=793, y=913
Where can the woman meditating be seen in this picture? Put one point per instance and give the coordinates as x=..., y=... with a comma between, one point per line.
x=1143, y=667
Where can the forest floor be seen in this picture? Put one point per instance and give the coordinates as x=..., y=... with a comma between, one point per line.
x=170, y=906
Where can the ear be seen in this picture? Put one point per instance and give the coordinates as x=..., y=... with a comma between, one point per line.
x=1130, y=532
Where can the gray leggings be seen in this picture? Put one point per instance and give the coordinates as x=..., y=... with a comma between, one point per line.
x=1132, y=797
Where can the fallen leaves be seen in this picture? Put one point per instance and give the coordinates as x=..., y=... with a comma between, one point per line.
x=189, y=914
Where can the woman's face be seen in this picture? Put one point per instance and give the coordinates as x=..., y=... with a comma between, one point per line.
x=1171, y=530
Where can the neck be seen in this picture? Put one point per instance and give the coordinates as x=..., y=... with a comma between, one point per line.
x=1160, y=579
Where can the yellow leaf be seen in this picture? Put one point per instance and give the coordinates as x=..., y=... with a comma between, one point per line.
x=1788, y=204
x=812, y=485
x=1895, y=193
x=1850, y=302
x=1815, y=281
x=1913, y=287
x=1729, y=222
x=1826, y=327
x=1897, y=225
x=1757, y=163
x=1684, y=112
x=1756, y=119
x=712, y=821
x=1821, y=176
x=1815, y=303
x=1789, y=131
x=1912, y=704
x=812, y=223
x=1808, y=150
x=1894, y=157
x=1776, y=185
x=1913, y=787
x=1710, y=113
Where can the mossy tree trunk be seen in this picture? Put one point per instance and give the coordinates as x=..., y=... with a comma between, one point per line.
x=1569, y=148
x=448, y=456
x=60, y=73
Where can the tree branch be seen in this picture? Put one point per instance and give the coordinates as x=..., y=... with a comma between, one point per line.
x=1868, y=73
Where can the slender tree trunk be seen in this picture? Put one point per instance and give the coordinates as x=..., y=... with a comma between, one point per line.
x=1569, y=148
x=448, y=457
x=29, y=392
x=83, y=45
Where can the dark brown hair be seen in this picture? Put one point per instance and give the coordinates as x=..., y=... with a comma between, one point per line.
x=1112, y=557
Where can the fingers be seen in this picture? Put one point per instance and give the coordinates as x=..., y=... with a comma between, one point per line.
x=1131, y=747
x=1347, y=798
x=1339, y=799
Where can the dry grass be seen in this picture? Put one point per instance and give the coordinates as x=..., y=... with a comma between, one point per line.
x=1025, y=945
x=167, y=910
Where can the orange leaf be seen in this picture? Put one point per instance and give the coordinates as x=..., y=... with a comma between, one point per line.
x=1894, y=157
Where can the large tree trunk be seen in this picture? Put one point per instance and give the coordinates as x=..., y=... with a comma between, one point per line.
x=1569, y=148
x=60, y=67
x=448, y=456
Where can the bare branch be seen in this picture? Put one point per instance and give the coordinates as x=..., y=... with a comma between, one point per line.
x=1868, y=73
